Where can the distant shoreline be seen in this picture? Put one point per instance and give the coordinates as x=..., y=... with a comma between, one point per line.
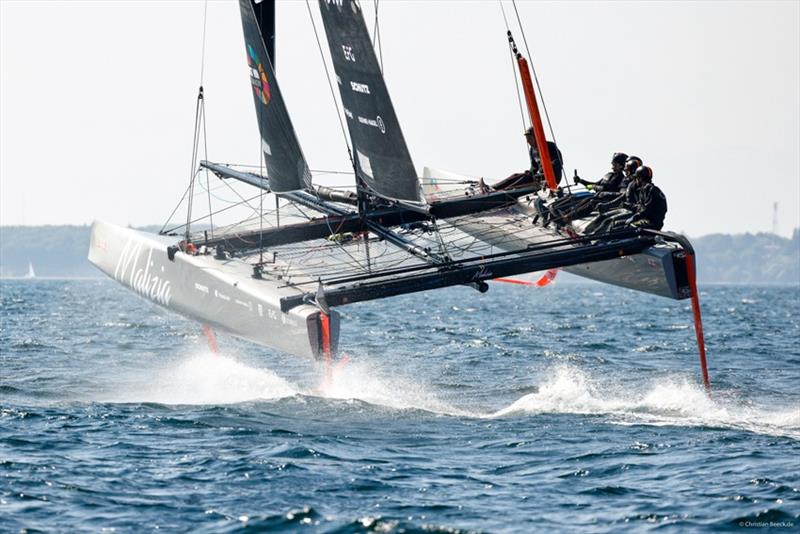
x=60, y=253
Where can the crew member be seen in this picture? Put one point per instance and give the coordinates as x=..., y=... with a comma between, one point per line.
x=652, y=204
x=605, y=189
x=610, y=183
x=649, y=210
x=535, y=175
x=628, y=188
x=536, y=160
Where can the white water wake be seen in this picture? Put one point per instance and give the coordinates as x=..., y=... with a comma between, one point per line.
x=203, y=379
x=675, y=401
x=210, y=379
x=361, y=381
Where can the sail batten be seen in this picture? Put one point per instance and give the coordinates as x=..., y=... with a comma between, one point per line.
x=286, y=166
x=381, y=155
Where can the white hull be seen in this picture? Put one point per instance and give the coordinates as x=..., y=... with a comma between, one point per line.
x=220, y=293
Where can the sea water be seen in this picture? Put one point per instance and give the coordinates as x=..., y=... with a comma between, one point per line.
x=567, y=408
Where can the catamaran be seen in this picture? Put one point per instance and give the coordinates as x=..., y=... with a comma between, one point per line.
x=276, y=278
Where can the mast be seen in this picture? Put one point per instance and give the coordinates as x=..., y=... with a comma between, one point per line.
x=536, y=118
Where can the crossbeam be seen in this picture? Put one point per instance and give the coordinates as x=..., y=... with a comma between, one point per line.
x=478, y=270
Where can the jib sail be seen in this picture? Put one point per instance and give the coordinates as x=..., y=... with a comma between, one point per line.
x=380, y=151
x=287, y=169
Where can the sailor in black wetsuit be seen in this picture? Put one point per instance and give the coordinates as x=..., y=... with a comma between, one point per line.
x=652, y=204
x=537, y=171
x=536, y=161
x=627, y=190
x=607, y=188
x=535, y=175
x=612, y=181
x=648, y=211
x=621, y=205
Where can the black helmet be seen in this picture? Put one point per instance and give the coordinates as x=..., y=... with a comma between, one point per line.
x=619, y=157
x=644, y=172
x=635, y=159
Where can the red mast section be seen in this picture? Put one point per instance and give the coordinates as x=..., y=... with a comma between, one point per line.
x=536, y=118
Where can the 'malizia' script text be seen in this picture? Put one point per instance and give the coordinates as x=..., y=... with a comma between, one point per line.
x=140, y=278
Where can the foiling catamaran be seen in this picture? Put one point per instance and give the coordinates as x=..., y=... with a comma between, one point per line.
x=275, y=278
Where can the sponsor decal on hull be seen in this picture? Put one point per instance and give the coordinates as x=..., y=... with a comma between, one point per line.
x=140, y=276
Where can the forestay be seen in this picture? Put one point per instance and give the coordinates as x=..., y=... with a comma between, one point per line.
x=381, y=155
x=287, y=169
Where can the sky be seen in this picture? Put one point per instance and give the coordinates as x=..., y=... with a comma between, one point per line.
x=97, y=99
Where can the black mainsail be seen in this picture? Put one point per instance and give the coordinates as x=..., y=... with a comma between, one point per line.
x=287, y=169
x=380, y=152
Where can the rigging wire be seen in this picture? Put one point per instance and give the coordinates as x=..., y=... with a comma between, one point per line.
x=260, y=192
x=192, y=173
x=205, y=132
x=199, y=116
x=513, y=68
x=226, y=208
x=335, y=103
x=376, y=35
x=205, y=155
x=203, y=52
x=330, y=85
x=535, y=77
x=178, y=205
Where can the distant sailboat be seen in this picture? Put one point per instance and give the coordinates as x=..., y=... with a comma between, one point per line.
x=31, y=273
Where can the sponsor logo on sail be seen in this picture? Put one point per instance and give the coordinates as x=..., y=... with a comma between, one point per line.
x=141, y=278
x=348, y=53
x=257, y=76
x=359, y=87
x=377, y=122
